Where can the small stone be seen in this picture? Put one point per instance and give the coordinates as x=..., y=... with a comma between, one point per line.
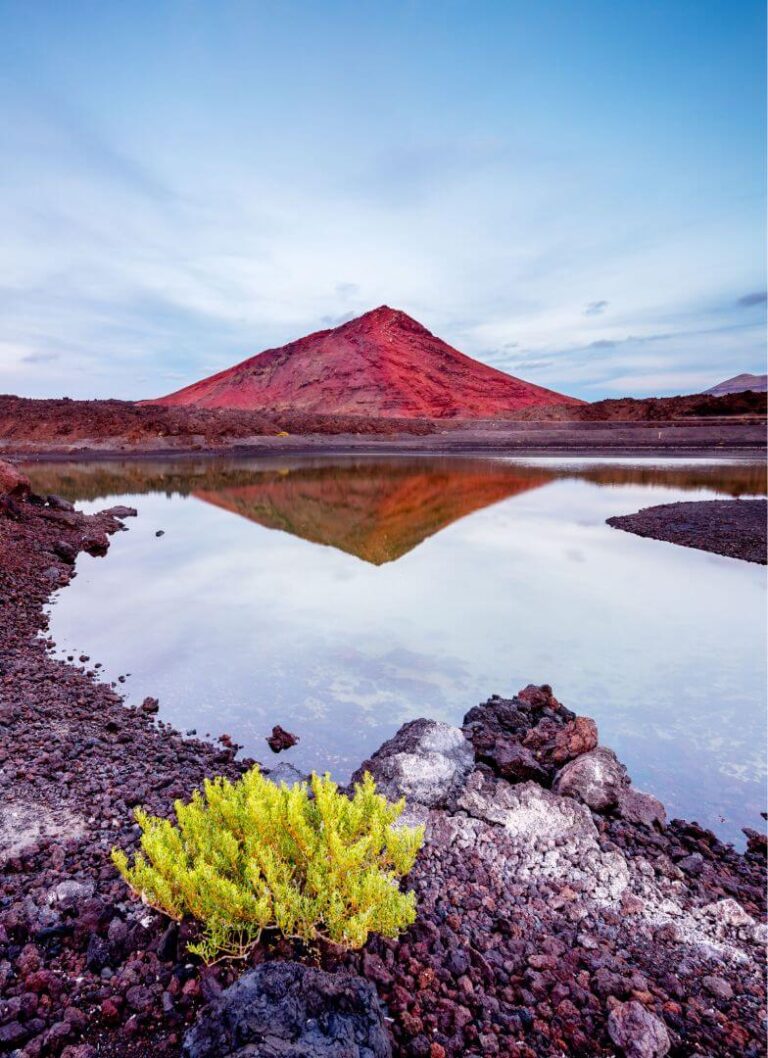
x=718, y=987
x=281, y=739
x=637, y=1032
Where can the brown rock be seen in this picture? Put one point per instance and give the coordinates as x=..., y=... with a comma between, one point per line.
x=12, y=482
x=281, y=739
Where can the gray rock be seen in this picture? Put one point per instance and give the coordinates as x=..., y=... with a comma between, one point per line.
x=693, y=864
x=286, y=1010
x=597, y=778
x=637, y=1032
x=58, y=503
x=718, y=987
x=637, y=807
x=284, y=772
x=426, y=762
x=69, y=894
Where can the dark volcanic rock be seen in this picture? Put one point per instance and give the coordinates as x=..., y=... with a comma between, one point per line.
x=736, y=528
x=638, y=807
x=529, y=736
x=58, y=503
x=286, y=1010
x=281, y=739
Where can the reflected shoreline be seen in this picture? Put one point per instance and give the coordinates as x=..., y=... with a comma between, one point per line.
x=376, y=508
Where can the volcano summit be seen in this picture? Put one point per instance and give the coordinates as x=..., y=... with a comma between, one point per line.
x=383, y=363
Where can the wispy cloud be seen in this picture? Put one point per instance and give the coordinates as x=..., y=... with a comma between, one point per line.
x=39, y=358
x=193, y=217
x=758, y=298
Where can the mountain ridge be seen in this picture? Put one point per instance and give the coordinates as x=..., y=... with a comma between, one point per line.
x=739, y=384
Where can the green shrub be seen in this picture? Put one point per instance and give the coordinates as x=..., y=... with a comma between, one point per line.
x=252, y=855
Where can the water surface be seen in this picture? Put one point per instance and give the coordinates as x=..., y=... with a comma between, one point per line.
x=342, y=597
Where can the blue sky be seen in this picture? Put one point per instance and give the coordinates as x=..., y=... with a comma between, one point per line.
x=570, y=190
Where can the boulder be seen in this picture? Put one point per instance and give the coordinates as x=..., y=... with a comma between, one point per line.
x=121, y=512
x=285, y=772
x=512, y=761
x=597, y=778
x=58, y=503
x=12, y=482
x=96, y=543
x=426, y=762
x=637, y=1032
x=554, y=743
x=529, y=736
x=575, y=738
x=638, y=807
x=286, y=1010
x=66, y=552
x=530, y=814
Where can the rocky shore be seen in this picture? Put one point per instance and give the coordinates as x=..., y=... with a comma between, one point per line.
x=559, y=912
x=735, y=528
x=103, y=429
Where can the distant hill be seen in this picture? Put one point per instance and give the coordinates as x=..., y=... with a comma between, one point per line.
x=382, y=364
x=740, y=384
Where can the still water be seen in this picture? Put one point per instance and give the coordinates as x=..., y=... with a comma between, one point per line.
x=340, y=598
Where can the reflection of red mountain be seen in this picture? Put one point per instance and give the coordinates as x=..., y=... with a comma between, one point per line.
x=381, y=364
x=376, y=512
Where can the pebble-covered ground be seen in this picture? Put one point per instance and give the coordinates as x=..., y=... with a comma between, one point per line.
x=545, y=927
x=736, y=528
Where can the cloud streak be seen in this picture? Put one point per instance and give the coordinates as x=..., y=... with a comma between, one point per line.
x=758, y=298
x=194, y=214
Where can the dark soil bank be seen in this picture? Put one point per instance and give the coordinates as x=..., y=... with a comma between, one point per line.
x=558, y=912
x=734, y=528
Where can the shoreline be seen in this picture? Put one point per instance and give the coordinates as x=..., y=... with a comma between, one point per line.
x=712, y=437
x=510, y=948
x=733, y=528
x=383, y=450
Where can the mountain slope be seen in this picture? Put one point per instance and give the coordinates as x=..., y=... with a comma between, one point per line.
x=740, y=384
x=381, y=364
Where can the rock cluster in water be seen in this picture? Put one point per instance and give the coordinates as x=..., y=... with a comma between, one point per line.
x=559, y=914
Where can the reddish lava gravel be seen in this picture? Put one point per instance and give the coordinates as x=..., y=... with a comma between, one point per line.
x=559, y=914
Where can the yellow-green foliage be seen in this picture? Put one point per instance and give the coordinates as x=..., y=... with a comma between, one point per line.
x=252, y=855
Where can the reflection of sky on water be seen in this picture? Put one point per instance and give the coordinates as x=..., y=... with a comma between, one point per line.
x=236, y=627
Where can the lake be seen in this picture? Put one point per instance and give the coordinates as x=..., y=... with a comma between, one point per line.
x=342, y=597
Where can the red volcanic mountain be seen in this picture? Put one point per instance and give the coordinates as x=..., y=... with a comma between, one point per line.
x=381, y=364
